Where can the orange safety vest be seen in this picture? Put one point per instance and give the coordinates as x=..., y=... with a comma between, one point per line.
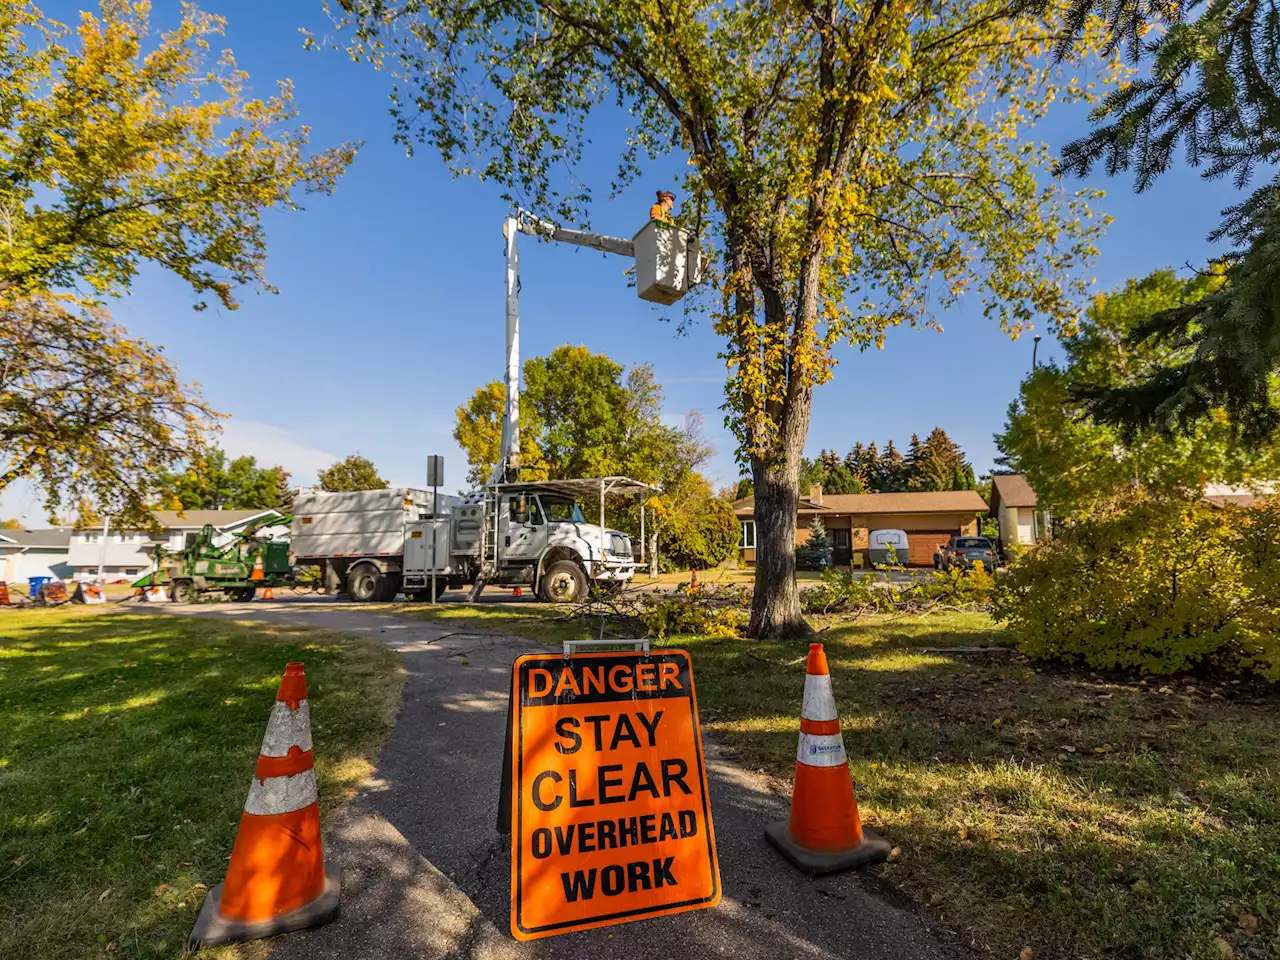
x=657, y=212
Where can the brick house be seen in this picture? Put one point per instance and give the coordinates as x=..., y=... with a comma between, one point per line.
x=928, y=518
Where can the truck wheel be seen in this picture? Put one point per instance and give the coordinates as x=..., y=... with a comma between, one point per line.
x=184, y=591
x=565, y=582
x=391, y=584
x=242, y=594
x=424, y=595
x=364, y=583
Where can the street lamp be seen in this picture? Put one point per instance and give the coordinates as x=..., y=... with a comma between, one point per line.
x=1035, y=345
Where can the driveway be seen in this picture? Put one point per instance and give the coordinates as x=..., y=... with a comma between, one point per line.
x=426, y=874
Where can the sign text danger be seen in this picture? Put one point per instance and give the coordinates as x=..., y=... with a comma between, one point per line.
x=612, y=821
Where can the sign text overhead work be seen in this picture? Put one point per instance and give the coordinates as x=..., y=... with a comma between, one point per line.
x=612, y=820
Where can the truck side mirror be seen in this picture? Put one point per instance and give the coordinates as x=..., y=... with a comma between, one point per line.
x=520, y=510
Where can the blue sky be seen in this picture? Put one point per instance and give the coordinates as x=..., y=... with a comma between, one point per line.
x=390, y=311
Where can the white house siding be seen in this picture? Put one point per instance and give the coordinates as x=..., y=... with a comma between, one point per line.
x=124, y=552
x=35, y=562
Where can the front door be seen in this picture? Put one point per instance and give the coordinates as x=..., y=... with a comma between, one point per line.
x=524, y=519
x=840, y=553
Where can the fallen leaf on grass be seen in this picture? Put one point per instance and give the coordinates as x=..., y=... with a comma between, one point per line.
x=104, y=894
x=1025, y=954
x=1248, y=923
x=1225, y=950
x=160, y=890
x=1140, y=887
x=896, y=854
x=997, y=723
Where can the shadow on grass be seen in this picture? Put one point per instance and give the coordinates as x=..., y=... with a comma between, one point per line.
x=125, y=755
x=1075, y=814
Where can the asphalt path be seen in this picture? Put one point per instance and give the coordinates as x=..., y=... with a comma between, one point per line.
x=426, y=874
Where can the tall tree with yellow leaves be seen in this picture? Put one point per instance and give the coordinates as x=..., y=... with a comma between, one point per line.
x=119, y=148
x=860, y=163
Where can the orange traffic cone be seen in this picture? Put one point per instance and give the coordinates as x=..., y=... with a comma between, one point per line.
x=277, y=880
x=257, y=573
x=824, y=833
x=4, y=595
x=693, y=580
x=268, y=594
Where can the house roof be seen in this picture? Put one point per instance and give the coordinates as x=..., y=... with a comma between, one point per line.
x=1013, y=490
x=746, y=507
x=940, y=501
x=195, y=519
x=39, y=538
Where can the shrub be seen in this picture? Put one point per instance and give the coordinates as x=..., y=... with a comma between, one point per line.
x=842, y=591
x=1156, y=586
x=704, y=534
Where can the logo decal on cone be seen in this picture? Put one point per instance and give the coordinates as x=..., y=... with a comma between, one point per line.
x=277, y=880
x=824, y=833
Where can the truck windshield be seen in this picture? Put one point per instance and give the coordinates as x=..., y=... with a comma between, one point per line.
x=560, y=508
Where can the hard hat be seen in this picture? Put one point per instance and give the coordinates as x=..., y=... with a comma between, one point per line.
x=665, y=194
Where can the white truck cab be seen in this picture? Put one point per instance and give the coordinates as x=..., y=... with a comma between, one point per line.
x=531, y=534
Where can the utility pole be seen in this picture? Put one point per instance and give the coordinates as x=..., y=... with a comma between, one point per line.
x=102, y=551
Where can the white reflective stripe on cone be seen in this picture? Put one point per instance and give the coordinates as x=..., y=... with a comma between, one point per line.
x=287, y=728
x=819, y=701
x=821, y=750
x=281, y=794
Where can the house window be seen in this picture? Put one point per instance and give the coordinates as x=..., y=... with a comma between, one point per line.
x=748, y=534
x=125, y=537
x=132, y=572
x=90, y=537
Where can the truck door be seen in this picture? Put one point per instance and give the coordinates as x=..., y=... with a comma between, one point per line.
x=526, y=527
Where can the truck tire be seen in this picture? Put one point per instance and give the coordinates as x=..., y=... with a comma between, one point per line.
x=365, y=583
x=184, y=591
x=564, y=582
x=424, y=595
x=391, y=584
x=242, y=594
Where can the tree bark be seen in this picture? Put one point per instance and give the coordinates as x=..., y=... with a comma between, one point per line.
x=775, y=606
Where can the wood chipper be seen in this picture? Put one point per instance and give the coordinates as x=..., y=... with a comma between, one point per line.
x=205, y=567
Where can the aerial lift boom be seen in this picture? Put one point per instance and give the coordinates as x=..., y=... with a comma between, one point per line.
x=507, y=469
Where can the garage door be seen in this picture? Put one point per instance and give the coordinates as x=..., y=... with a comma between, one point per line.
x=922, y=543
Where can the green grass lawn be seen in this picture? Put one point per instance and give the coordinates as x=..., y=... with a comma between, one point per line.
x=1079, y=815
x=126, y=749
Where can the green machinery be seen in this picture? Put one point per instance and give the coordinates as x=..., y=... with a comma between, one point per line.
x=203, y=567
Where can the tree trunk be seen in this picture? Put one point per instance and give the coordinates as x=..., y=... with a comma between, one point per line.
x=775, y=607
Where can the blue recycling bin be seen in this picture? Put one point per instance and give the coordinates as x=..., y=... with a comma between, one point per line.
x=34, y=584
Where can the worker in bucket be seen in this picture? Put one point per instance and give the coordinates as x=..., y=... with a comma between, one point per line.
x=661, y=211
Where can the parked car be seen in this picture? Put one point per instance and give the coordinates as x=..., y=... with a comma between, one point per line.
x=962, y=552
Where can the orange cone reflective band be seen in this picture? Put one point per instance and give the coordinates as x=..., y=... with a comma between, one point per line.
x=824, y=832
x=277, y=880
x=257, y=573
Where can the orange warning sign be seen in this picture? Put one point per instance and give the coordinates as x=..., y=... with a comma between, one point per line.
x=611, y=819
